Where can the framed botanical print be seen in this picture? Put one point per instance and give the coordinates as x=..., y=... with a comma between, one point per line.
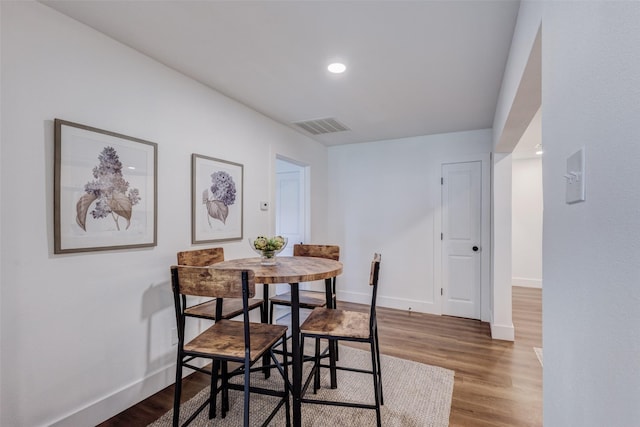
x=105, y=190
x=216, y=199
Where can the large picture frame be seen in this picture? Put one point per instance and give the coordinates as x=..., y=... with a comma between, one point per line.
x=105, y=190
x=216, y=199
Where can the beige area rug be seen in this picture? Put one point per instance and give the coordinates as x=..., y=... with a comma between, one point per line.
x=538, y=351
x=415, y=395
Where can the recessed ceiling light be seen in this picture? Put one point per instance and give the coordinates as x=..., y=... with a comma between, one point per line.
x=336, y=68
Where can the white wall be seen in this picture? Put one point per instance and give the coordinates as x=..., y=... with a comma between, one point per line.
x=591, y=314
x=87, y=335
x=501, y=305
x=385, y=197
x=518, y=101
x=526, y=224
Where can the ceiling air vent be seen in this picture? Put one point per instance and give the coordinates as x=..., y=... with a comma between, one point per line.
x=321, y=126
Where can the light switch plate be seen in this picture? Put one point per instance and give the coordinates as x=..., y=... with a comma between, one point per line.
x=575, y=178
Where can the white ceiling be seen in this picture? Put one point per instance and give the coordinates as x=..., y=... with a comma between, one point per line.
x=414, y=67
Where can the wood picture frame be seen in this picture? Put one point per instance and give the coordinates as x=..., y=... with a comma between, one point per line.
x=216, y=199
x=105, y=190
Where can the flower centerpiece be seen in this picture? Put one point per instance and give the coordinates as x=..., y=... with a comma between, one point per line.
x=268, y=248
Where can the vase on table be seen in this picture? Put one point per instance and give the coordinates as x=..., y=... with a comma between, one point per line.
x=268, y=248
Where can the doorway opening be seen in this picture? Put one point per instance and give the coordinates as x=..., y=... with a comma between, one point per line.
x=464, y=252
x=291, y=202
x=291, y=210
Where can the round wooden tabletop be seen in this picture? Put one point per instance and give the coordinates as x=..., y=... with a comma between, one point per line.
x=288, y=269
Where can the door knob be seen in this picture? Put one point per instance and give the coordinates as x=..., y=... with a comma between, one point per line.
x=475, y=249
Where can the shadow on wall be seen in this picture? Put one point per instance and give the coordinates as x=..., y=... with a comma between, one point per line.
x=157, y=307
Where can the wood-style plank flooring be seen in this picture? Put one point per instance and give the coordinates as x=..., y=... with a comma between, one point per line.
x=497, y=383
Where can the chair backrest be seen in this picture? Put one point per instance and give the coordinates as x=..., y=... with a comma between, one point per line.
x=201, y=257
x=215, y=283
x=319, y=251
x=373, y=281
x=211, y=282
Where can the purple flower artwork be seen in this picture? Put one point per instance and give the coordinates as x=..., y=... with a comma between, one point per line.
x=109, y=190
x=219, y=196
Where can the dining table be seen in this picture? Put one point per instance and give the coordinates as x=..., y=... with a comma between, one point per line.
x=292, y=270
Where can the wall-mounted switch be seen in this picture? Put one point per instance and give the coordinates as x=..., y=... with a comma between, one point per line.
x=264, y=206
x=575, y=185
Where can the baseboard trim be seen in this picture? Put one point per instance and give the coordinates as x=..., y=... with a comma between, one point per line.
x=503, y=332
x=498, y=332
x=526, y=283
x=105, y=408
x=355, y=297
x=395, y=303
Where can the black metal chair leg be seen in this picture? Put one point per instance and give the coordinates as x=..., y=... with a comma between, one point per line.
x=316, y=366
x=376, y=390
x=377, y=342
x=271, y=313
x=225, y=388
x=214, y=389
x=247, y=384
x=287, y=390
x=333, y=345
x=177, y=392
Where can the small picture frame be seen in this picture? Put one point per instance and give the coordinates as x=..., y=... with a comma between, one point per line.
x=105, y=190
x=216, y=199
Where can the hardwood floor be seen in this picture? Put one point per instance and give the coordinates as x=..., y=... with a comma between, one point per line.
x=497, y=383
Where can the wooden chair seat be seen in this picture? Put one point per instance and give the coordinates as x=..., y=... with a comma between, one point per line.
x=337, y=323
x=308, y=299
x=240, y=342
x=231, y=308
x=221, y=340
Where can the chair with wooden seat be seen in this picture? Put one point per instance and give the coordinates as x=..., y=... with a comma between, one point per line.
x=342, y=325
x=309, y=299
x=242, y=342
x=231, y=307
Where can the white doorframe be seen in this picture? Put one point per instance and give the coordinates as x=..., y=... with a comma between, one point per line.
x=485, y=241
x=284, y=164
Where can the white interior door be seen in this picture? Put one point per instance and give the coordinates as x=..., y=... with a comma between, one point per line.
x=291, y=216
x=461, y=238
x=290, y=203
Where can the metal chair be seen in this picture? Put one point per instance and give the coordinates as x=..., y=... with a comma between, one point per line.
x=309, y=299
x=231, y=307
x=226, y=341
x=342, y=325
